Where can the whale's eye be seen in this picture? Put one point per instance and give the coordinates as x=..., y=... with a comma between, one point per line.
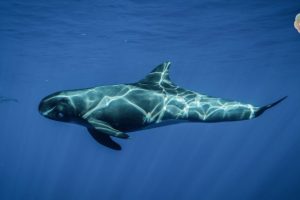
x=60, y=111
x=60, y=115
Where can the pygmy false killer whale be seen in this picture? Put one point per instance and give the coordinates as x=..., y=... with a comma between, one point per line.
x=115, y=110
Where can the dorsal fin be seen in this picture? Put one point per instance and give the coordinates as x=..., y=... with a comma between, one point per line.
x=158, y=76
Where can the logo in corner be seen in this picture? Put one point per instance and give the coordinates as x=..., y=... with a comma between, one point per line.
x=297, y=22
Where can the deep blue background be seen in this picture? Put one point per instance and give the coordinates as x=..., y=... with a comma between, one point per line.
x=243, y=50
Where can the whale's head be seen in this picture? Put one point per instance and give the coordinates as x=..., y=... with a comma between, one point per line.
x=57, y=106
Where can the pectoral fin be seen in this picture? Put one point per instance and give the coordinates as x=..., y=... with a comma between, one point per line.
x=105, y=128
x=104, y=139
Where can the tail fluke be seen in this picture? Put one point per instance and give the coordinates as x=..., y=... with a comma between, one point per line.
x=266, y=107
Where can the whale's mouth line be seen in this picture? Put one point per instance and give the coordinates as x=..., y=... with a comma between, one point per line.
x=48, y=111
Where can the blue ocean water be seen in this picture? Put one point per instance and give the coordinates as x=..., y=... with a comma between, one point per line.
x=243, y=50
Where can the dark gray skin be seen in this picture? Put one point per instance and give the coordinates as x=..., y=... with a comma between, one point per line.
x=153, y=101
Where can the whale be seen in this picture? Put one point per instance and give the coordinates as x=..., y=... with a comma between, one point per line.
x=116, y=110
